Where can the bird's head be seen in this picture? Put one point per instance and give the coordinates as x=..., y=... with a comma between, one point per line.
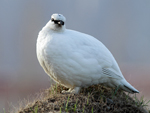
x=57, y=22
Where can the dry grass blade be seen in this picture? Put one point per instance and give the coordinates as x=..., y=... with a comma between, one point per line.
x=96, y=99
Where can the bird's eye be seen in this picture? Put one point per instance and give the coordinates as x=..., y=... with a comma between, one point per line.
x=52, y=19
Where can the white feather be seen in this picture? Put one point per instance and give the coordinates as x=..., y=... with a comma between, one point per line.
x=77, y=60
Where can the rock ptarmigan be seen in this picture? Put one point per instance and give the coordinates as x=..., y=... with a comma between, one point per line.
x=74, y=59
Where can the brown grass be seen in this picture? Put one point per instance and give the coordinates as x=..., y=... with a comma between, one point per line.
x=94, y=99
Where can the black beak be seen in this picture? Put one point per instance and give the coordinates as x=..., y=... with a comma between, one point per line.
x=60, y=22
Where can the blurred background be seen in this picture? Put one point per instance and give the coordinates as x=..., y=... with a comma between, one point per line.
x=122, y=25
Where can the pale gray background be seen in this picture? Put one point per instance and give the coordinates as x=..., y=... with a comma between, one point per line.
x=122, y=25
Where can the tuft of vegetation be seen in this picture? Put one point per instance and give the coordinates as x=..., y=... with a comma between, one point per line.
x=94, y=99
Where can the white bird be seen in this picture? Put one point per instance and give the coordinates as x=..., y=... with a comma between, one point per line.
x=74, y=59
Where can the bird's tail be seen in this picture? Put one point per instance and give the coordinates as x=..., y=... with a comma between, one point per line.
x=128, y=87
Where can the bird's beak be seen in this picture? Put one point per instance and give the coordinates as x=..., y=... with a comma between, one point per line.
x=60, y=22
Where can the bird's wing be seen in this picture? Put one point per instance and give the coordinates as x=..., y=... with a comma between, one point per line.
x=109, y=72
x=96, y=50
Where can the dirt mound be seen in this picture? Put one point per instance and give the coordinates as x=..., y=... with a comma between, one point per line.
x=94, y=99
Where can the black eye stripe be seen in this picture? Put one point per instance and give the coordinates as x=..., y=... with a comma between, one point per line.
x=56, y=21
